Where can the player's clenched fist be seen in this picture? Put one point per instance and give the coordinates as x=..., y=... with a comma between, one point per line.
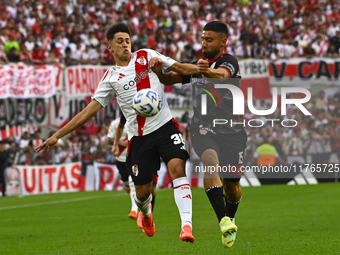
x=156, y=64
x=203, y=66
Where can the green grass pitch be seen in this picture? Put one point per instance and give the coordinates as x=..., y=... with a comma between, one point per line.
x=272, y=219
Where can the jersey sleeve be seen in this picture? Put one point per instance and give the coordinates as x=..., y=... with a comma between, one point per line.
x=229, y=63
x=167, y=61
x=112, y=130
x=104, y=93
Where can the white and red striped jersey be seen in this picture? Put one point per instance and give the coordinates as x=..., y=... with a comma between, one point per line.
x=123, y=82
x=112, y=133
x=320, y=49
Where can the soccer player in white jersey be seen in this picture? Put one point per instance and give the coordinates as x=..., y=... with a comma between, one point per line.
x=121, y=163
x=149, y=138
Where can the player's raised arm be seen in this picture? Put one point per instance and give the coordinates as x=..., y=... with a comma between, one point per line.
x=206, y=71
x=185, y=69
x=172, y=77
x=79, y=120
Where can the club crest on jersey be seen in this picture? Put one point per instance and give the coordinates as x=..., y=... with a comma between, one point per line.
x=135, y=170
x=141, y=61
x=203, y=132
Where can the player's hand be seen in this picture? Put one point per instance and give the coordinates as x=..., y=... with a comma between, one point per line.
x=115, y=150
x=47, y=145
x=156, y=64
x=203, y=66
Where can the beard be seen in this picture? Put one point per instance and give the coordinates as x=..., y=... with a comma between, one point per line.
x=211, y=55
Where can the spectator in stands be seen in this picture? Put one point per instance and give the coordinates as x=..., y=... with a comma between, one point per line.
x=331, y=51
x=12, y=43
x=321, y=101
x=3, y=57
x=336, y=40
x=309, y=52
x=266, y=154
x=38, y=55
x=25, y=140
x=295, y=144
x=89, y=56
x=320, y=46
x=13, y=55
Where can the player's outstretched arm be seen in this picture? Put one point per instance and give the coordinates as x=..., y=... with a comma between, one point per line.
x=184, y=68
x=206, y=71
x=79, y=120
x=170, y=78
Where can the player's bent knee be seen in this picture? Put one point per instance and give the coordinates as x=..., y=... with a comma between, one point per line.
x=143, y=192
x=176, y=168
x=209, y=158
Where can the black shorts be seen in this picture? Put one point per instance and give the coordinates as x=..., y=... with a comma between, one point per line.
x=144, y=153
x=229, y=148
x=122, y=168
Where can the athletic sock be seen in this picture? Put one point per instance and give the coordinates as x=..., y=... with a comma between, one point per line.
x=215, y=195
x=132, y=195
x=144, y=206
x=183, y=198
x=231, y=207
x=153, y=202
x=126, y=184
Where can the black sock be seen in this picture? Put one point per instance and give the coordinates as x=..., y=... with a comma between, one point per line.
x=153, y=202
x=231, y=207
x=215, y=195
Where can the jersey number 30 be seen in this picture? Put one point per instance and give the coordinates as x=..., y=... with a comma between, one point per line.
x=178, y=139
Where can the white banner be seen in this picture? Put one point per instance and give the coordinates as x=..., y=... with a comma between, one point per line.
x=106, y=177
x=50, y=178
x=304, y=71
x=26, y=81
x=253, y=68
x=83, y=80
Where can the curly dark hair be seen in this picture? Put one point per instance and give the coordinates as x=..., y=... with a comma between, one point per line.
x=116, y=28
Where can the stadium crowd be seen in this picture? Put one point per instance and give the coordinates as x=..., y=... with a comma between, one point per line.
x=73, y=32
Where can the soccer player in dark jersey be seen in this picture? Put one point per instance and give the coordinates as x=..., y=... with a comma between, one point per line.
x=217, y=145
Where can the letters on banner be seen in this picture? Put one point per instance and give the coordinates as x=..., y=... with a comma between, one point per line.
x=301, y=71
x=45, y=179
x=83, y=80
x=26, y=81
x=106, y=177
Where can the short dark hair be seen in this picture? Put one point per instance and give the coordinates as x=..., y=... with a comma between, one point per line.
x=116, y=28
x=217, y=26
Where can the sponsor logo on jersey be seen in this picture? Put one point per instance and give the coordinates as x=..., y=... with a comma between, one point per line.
x=141, y=61
x=121, y=76
x=203, y=132
x=135, y=170
x=137, y=79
